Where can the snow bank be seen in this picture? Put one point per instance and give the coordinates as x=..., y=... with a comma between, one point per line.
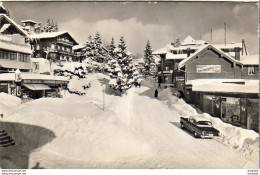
x=83, y=130
x=178, y=105
x=243, y=140
x=8, y=103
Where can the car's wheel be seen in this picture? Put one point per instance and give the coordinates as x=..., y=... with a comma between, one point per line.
x=182, y=126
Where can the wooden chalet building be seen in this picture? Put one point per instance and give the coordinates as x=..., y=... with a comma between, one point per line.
x=56, y=46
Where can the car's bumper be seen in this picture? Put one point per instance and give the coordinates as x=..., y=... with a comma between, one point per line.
x=208, y=136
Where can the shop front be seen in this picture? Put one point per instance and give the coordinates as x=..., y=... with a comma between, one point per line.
x=32, y=86
x=42, y=88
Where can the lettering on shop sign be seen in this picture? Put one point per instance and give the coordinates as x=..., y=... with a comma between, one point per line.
x=208, y=68
x=49, y=81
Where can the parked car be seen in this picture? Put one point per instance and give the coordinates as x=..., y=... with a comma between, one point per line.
x=199, y=126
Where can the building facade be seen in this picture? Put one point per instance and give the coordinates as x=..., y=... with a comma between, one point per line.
x=16, y=76
x=220, y=79
x=15, y=51
x=56, y=46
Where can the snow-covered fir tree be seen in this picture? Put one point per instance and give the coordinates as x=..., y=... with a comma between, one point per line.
x=100, y=52
x=111, y=49
x=122, y=72
x=148, y=58
x=50, y=26
x=90, y=48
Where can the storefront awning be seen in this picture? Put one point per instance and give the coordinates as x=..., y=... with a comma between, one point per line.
x=36, y=87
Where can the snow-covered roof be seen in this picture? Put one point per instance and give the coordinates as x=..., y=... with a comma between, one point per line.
x=76, y=47
x=31, y=76
x=228, y=46
x=183, y=62
x=18, y=27
x=170, y=47
x=225, y=85
x=163, y=50
x=28, y=20
x=170, y=56
x=47, y=34
x=50, y=35
x=249, y=59
x=190, y=41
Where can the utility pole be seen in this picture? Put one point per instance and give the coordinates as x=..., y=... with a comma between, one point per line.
x=225, y=33
x=211, y=35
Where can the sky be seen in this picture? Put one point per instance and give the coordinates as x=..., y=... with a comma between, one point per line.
x=159, y=22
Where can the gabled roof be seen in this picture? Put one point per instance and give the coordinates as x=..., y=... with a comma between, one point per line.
x=163, y=50
x=188, y=41
x=191, y=41
x=203, y=48
x=15, y=27
x=28, y=20
x=51, y=35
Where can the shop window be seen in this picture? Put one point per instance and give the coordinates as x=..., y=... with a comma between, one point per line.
x=251, y=70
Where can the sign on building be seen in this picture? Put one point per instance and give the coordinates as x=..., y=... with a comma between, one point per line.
x=208, y=68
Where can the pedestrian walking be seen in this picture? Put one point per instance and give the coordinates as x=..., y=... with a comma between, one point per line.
x=159, y=81
x=156, y=93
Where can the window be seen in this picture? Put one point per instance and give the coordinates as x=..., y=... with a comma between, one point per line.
x=52, y=46
x=1, y=54
x=37, y=47
x=251, y=70
x=13, y=56
x=21, y=57
x=7, y=55
x=26, y=58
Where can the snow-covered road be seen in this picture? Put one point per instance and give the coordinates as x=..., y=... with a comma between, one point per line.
x=134, y=131
x=174, y=147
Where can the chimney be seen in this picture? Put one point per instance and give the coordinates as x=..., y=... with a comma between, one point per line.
x=188, y=52
x=237, y=53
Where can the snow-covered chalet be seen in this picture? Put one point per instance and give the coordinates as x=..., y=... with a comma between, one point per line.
x=221, y=79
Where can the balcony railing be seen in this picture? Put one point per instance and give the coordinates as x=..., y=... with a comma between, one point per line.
x=66, y=42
